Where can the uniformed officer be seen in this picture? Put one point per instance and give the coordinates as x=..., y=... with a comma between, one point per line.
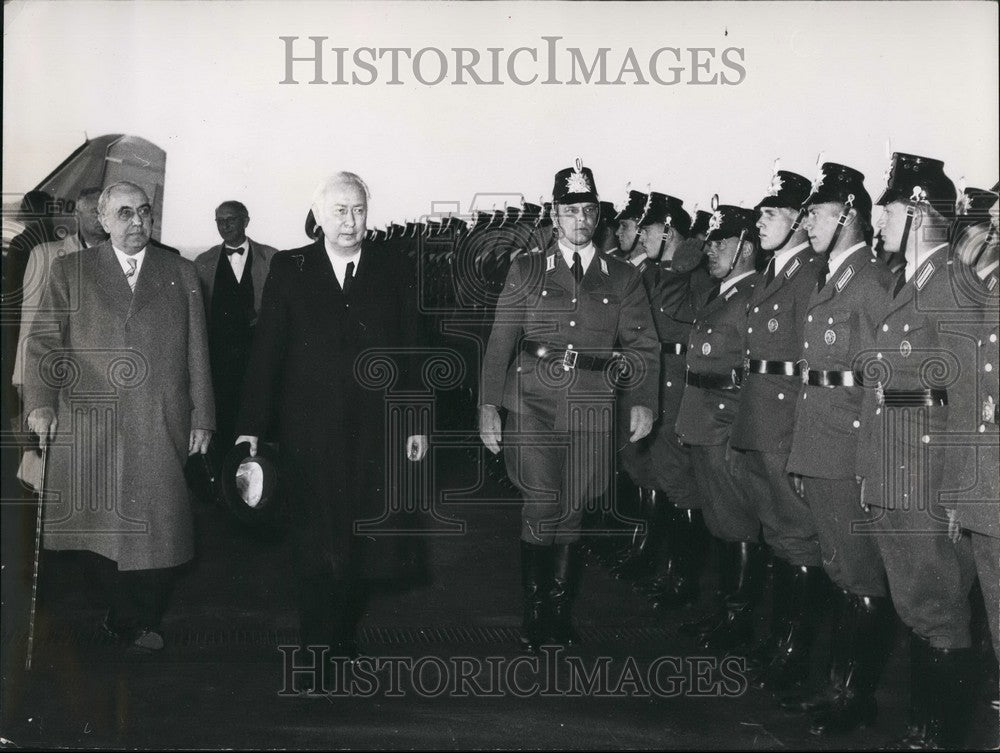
x=627, y=230
x=699, y=228
x=716, y=346
x=659, y=464
x=851, y=290
x=763, y=430
x=567, y=323
x=914, y=378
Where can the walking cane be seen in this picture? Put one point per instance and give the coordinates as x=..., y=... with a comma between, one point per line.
x=34, y=573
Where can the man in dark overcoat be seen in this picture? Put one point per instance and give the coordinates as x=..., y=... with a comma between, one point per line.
x=337, y=334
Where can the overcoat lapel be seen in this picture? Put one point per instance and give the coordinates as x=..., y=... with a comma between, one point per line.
x=112, y=279
x=152, y=279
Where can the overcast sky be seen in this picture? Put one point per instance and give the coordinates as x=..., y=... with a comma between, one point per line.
x=200, y=79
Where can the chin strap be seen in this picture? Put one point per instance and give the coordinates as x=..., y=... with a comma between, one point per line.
x=736, y=256
x=796, y=224
x=841, y=221
x=919, y=195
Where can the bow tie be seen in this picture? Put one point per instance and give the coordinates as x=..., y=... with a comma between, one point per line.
x=234, y=250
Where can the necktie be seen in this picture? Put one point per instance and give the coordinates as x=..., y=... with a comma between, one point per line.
x=769, y=274
x=577, y=268
x=130, y=274
x=823, y=272
x=900, y=282
x=232, y=251
x=713, y=293
x=348, y=276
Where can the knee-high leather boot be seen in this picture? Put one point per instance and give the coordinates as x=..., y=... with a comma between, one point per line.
x=536, y=569
x=562, y=592
x=735, y=631
x=688, y=541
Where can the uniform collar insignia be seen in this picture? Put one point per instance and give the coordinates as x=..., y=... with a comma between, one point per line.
x=604, y=267
x=845, y=278
x=991, y=284
x=792, y=268
x=550, y=263
x=925, y=274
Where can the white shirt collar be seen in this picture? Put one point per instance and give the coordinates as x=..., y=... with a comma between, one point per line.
x=727, y=284
x=123, y=259
x=340, y=263
x=837, y=263
x=245, y=245
x=911, y=269
x=783, y=257
x=586, y=254
x=636, y=262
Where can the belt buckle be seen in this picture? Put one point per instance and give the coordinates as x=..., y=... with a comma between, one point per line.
x=746, y=364
x=880, y=394
x=569, y=359
x=989, y=410
x=803, y=370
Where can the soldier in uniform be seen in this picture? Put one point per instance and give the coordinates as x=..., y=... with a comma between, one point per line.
x=763, y=430
x=627, y=230
x=699, y=228
x=567, y=322
x=915, y=399
x=852, y=288
x=716, y=346
x=661, y=464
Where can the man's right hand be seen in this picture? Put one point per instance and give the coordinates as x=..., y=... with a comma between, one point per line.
x=252, y=441
x=490, y=427
x=42, y=421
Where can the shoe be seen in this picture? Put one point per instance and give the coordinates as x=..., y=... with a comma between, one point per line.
x=147, y=640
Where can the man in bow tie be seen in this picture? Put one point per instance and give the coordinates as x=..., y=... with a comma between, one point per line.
x=232, y=278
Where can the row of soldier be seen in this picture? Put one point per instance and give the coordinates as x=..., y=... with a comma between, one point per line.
x=812, y=401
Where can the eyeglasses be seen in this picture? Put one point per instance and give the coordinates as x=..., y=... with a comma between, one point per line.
x=125, y=214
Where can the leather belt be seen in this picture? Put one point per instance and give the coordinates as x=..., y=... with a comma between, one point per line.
x=777, y=368
x=673, y=349
x=569, y=359
x=817, y=378
x=913, y=398
x=729, y=381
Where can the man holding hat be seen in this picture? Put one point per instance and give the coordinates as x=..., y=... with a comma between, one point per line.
x=843, y=311
x=913, y=387
x=571, y=326
x=711, y=399
x=763, y=430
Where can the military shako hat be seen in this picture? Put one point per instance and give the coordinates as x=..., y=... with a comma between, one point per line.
x=838, y=183
x=911, y=178
x=634, y=207
x=575, y=185
x=787, y=190
x=660, y=207
x=701, y=220
x=728, y=221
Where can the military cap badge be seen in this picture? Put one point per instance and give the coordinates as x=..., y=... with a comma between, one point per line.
x=715, y=222
x=577, y=182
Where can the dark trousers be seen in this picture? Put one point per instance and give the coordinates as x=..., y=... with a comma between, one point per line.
x=987, y=553
x=557, y=473
x=138, y=599
x=729, y=513
x=785, y=517
x=331, y=597
x=850, y=552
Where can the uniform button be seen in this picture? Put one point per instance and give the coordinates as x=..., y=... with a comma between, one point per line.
x=519, y=369
x=545, y=292
x=803, y=396
x=573, y=301
x=878, y=411
x=776, y=307
x=572, y=324
x=756, y=309
x=606, y=300
x=878, y=356
x=661, y=307
x=993, y=338
x=856, y=424
x=809, y=318
x=885, y=327
x=749, y=330
x=906, y=328
x=982, y=428
x=670, y=384
x=781, y=395
x=830, y=320
x=722, y=406
x=708, y=331
x=805, y=345
x=569, y=347
x=988, y=367
x=925, y=439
